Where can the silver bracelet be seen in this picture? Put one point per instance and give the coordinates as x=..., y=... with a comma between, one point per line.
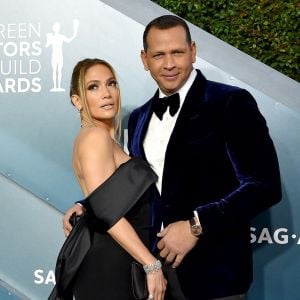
x=152, y=268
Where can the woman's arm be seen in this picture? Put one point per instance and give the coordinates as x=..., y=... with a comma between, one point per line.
x=96, y=164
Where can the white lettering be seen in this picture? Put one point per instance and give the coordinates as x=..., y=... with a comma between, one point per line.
x=40, y=278
x=2, y=28
x=20, y=67
x=281, y=239
x=20, y=85
x=279, y=236
x=11, y=31
x=11, y=52
x=22, y=48
x=37, y=47
x=34, y=66
x=38, y=274
x=20, y=30
x=10, y=85
x=265, y=236
x=2, y=69
x=50, y=278
x=23, y=85
x=36, y=86
x=252, y=235
x=34, y=29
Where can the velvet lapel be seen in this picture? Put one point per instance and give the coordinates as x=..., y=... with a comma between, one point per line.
x=190, y=111
x=192, y=103
x=142, y=126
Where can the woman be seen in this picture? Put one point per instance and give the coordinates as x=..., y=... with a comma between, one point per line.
x=118, y=210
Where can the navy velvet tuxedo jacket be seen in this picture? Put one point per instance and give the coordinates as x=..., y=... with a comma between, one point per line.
x=221, y=161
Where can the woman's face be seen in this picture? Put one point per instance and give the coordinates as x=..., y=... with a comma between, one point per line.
x=102, y=92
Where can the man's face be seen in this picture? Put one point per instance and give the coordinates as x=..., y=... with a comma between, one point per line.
x=169, y=58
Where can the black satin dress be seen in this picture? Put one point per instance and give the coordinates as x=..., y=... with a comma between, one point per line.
x=105, y=272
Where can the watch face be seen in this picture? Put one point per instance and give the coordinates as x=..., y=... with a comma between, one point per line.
x=196, y=229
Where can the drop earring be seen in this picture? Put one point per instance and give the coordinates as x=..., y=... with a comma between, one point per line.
x=78, y=110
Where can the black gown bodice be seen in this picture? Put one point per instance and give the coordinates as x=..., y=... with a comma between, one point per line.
x=105, y=272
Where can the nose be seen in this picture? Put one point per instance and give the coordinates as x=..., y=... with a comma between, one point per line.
x=105, y=93
x=169, y=62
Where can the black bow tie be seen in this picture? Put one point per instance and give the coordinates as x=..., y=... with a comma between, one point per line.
x=160, y=105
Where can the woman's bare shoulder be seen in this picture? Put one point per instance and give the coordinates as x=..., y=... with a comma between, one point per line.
x=93, y=139
x=94, y=135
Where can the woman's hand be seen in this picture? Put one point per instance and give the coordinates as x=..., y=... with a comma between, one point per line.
x=76, y=208
x=157, y=285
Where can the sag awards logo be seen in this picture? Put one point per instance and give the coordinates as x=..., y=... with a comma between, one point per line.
x=280, y=236
x=21, y=47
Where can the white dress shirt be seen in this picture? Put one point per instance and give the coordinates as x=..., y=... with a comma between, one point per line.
x=159, y=132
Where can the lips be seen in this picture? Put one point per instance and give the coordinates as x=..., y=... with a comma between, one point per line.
x=170, y=76
x=107, y=106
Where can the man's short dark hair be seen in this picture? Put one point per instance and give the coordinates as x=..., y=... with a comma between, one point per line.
x=166, y=22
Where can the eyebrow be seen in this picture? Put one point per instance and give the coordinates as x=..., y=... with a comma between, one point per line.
x=93, y=81
x=158, y=51
x=98, y=81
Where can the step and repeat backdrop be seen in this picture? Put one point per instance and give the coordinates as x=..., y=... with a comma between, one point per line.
x=39, y=45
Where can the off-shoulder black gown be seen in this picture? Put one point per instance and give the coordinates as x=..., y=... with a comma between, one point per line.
x=105, y=272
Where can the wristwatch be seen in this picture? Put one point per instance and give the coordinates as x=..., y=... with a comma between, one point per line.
x=196, y=228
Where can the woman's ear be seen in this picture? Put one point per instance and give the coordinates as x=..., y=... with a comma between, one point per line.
x=76, y=102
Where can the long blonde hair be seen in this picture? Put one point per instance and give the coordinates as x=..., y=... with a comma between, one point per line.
x=77, y=87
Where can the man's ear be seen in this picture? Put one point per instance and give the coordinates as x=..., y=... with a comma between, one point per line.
x=76, y=102
x=194, y=51
x=144, y=59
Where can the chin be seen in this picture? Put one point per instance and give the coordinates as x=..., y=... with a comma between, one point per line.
x=170, y=91
x=171, y=88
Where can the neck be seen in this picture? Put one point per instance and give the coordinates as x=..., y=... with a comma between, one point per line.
x=85, y=123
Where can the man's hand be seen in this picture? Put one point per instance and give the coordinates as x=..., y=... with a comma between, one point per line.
x=76, y=208
x=176, y=241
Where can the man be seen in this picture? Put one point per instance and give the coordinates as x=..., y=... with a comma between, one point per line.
x=216, y=163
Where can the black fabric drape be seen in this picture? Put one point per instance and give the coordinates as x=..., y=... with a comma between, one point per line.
x=109, y=203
